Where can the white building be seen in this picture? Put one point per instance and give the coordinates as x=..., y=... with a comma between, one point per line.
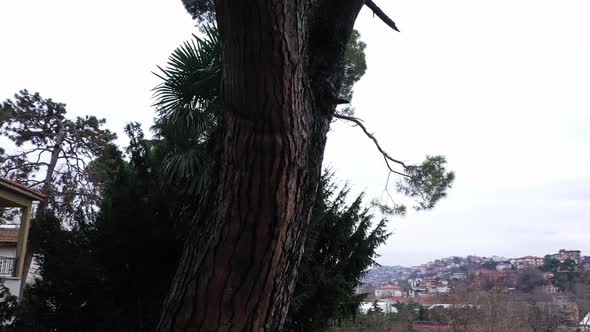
x=527, y=262
x=387, y=306
x=388, y=291
x=502, y=267
x=13, y=241
x=563, y=255
x=458, y=276
x=8, y=241
x=585, y=324
x=414, y=282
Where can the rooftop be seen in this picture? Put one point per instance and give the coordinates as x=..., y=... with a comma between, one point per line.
x=21, y=190
x=8, y=236
x=389, y=287
x=529, y=257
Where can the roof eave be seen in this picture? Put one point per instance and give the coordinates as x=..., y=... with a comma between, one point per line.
x=30, y=194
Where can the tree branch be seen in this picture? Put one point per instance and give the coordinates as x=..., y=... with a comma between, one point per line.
x=379, y=13
x=386, y=156
x=32, y=183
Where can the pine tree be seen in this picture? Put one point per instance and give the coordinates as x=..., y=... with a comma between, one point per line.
x=50, y=154
x=259, y=157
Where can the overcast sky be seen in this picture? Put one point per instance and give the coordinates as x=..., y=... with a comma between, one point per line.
x=501, y=88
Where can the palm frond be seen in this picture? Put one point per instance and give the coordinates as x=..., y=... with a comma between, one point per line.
x=187, y=101
x=188, y=107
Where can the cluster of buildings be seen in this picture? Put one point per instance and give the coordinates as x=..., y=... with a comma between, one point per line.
x=534, y=261
x=434, y=284
x=414, y=288
x=426, y=282
x=458, y=268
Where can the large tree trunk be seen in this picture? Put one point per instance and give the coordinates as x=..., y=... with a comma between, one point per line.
x=282, y=71
x=41, y=208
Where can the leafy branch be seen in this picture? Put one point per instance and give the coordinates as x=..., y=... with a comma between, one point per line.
x=427, y=182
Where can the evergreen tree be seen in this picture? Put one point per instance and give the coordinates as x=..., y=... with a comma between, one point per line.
x=191, y=119
x=50, y=151
x=7, y=304
x=340, y=246
x=550, y=264
x=283, y=68
x=110, y=274
x=113, y=274
x=69, y=294
x=50, y=154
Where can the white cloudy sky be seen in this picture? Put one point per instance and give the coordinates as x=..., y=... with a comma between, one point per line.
x=499, y=87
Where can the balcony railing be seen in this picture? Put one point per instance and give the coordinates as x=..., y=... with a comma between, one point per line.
x=7, y=266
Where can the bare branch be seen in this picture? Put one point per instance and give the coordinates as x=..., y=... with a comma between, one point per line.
x=379, y=13
x=33, y=183
x=386, y=156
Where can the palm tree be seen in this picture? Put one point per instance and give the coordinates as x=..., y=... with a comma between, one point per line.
x=188, y=107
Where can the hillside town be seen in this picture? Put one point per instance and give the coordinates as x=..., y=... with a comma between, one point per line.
x=557, y=280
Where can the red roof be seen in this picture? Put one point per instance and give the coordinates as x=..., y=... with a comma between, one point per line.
x=23, y=187
x=8, y=235
x=420, y=300
x=530, y=257
x=389, y=287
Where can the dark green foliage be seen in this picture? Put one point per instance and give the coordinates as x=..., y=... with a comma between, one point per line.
x=490, y=265
x=340, y=246
x=188, y=109
x=188, y=99
x=7, y=304
x=529, y=280
x=427, y=182
x=423, y=314
x=32, y=119
x=355, y=64
x=569, y=264
x=438, y=315
x=355, y=67
x=137, y=236
x=407, y=314
x=52, y=151
x=200, y=10
x=69, y=296
x=188, y=102
x=110, y=275
x=128, y=255
x=113, y=275
x=550, y=264
x=189, y=114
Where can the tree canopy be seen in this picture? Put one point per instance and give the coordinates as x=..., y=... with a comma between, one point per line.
x=113, y=273
x=228, y=186
x=51, y=151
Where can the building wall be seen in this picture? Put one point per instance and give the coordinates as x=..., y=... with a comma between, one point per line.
x=11, y=283
x=380, y=293
x=386, y=306
x=8, y=252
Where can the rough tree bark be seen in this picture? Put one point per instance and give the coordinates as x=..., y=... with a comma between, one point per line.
x=282, y=72
x=41, y=207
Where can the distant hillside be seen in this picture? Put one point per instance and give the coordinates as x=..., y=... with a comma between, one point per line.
x=445, y=267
